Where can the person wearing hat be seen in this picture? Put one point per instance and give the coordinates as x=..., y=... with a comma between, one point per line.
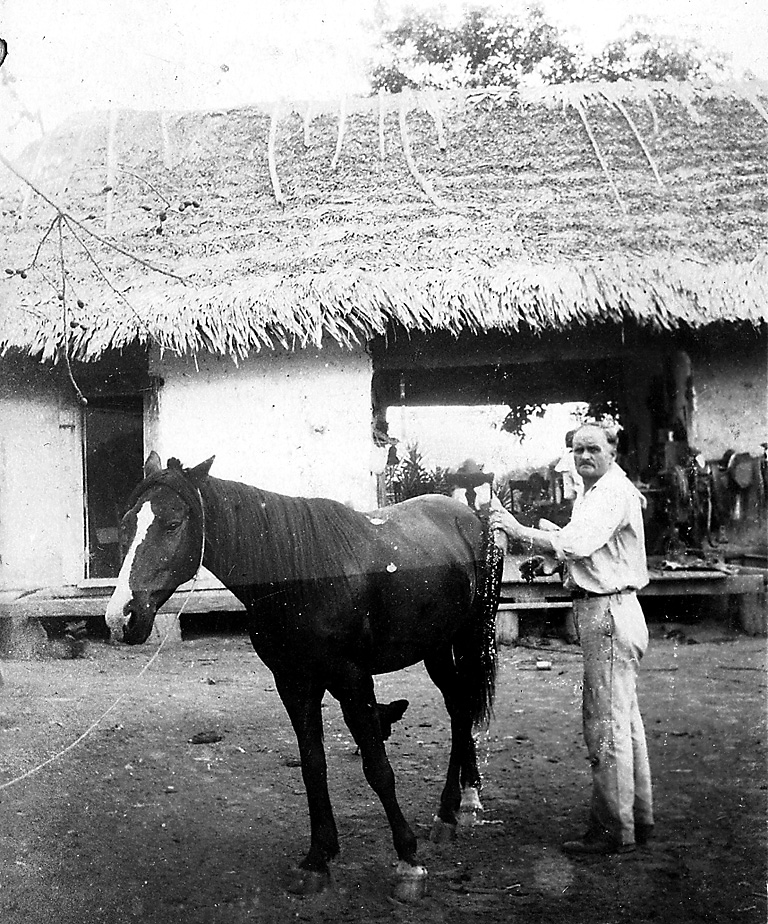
x=603, y=548
x=467, y=478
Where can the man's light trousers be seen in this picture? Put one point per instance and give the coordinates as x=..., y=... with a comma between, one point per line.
x=614, y=637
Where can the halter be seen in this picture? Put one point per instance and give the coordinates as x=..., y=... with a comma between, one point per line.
x=174, y=478
x=202, y=555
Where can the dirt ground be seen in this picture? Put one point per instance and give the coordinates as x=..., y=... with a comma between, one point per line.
x=137, y=823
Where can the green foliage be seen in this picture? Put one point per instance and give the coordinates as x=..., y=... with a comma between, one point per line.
x=504, y=493
x=519, y=416
x=601, y=409
x=432, y=41
x=486, y=48
x=651, y=57
x=390, y=77
x=502, y=47
x=492, y=48
x=412, y=478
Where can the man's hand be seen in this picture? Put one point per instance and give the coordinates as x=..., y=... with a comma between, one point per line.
x=548, y=526
x=501, y=518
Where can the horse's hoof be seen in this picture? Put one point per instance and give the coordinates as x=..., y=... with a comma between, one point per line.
x=470, y=806
x=308, y=882
x=410, y=882
x=467, y=819
x=442, y=831
x=470, y=800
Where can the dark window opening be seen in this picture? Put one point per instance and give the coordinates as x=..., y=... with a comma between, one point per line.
x=114, y=451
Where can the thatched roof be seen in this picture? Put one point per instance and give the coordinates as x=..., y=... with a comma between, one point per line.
x=479, y=210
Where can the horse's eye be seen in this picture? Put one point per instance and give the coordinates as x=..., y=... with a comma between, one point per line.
x=172, y=527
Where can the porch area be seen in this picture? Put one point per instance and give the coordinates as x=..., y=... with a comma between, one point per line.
x=54, y=621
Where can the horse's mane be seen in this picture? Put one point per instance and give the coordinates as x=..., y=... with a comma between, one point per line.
x=272, y=543
x=258, y=536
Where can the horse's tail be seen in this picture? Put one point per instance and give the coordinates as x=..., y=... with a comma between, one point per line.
x=477, y=659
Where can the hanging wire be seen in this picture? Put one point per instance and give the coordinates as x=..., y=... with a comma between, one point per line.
x=88, y=730
x=116, y=703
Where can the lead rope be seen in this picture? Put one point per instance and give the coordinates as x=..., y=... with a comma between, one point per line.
x=141, y=673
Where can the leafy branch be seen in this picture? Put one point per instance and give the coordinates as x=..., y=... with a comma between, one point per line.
x=412, y=478
x=80, y=232
x=519, y=416
x=71, y=220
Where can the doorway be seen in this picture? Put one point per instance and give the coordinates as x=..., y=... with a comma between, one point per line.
x=113, y=435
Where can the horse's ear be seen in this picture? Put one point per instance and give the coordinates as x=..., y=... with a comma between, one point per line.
x=200, y=472
x=153, y=465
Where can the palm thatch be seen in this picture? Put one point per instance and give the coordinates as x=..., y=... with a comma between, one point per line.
x=232, y=231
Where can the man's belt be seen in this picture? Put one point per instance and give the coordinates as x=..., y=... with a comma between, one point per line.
x=578, y=593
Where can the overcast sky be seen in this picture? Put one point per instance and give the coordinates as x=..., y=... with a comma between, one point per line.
x=68, y=55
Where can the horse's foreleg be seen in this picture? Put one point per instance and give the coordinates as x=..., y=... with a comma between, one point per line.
x=303, y=702
x=358, y=705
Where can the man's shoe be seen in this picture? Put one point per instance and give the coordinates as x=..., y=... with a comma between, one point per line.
x=643, y=833
x=596, y=845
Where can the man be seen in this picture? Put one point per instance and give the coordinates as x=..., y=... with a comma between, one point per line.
x=573, y=486
x=603, y=547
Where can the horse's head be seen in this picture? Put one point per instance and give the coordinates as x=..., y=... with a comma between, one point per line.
x=163, y=535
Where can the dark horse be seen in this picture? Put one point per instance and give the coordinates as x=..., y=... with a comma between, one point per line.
x=333, y=597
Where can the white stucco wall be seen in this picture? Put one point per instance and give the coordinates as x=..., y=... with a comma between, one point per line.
x=731, y=410
x=294, y=422
x=41, y=534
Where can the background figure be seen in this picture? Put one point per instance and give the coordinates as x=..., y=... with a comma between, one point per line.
x=573, y=486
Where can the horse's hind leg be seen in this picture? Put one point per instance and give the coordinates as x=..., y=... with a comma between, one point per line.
x=462, y=782
x=303, y=702
x=355, y=694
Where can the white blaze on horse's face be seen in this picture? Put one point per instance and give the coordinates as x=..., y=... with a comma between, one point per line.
x=121, y=597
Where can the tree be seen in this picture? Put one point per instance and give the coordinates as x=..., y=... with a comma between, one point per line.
x=519, y=416
x=491, y=48
x=485, y=48
x=652, y=57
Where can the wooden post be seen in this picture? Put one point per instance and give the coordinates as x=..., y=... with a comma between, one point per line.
x=753, y=613
x=570, y=631
x=22, y=638
x=507, y=625
x=167, y=624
